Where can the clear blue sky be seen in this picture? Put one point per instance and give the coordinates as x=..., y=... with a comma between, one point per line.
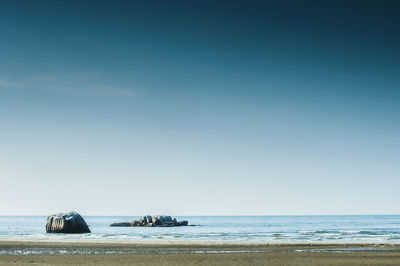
x=199, y=107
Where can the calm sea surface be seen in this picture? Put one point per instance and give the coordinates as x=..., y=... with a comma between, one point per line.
x=373, y=228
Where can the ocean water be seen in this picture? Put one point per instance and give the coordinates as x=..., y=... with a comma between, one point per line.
x=346, y=228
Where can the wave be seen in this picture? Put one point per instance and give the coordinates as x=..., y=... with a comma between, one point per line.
x=369, y=233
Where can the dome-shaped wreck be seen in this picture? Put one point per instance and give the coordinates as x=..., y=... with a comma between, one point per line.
x=67, y=223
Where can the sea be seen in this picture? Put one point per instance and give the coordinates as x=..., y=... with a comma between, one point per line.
x=274, y=229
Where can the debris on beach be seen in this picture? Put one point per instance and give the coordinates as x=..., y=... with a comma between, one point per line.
x=67, y=223
x=153, y=221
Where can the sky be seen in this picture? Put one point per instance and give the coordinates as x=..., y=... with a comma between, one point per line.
x=199, y=107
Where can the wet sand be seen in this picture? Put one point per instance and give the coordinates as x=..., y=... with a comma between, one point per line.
x=184, y=253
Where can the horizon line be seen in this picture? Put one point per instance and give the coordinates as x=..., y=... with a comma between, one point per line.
x=230, y=215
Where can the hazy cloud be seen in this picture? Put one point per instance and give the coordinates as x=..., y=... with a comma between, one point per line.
x=97, y=90
x=4, y=83
x=90, y=84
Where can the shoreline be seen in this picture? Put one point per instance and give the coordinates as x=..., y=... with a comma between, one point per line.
x=113, y=244
x=93, y=252
x=192, y=243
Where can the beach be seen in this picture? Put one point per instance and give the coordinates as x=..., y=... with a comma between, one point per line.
x=233, y=240
x=69, y=252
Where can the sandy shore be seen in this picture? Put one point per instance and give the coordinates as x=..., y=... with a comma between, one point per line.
x=198, y=253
